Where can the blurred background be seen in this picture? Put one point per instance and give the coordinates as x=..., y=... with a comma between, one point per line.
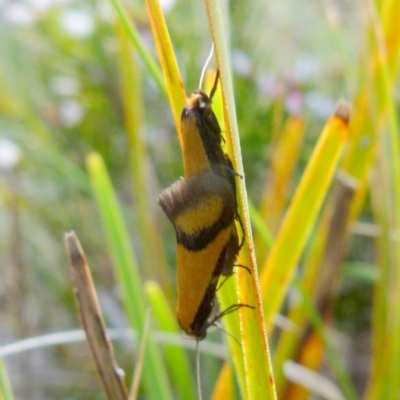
x=61, y=98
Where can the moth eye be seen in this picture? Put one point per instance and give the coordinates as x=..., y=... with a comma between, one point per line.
x=202, y=103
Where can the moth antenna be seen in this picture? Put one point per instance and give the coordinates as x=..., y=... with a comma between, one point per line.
x=199, y=395
x=214, y=88
x=203, y=72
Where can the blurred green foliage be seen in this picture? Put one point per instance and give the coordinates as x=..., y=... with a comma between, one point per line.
x=60, y=99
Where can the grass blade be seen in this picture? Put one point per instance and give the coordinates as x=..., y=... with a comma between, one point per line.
x=176, y=357
x=169, y=65
x=6, y=392
x=127, y=272
x=257, y=382
x=139, y=46
x=93, y=322
x=302, y=213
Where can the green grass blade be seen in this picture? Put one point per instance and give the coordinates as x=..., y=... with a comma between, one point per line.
x=176, y=357
x=258, y=381
x=334, y=357
x=153, y=253
x=127, y=273
x=141, y=49
x=6, y=392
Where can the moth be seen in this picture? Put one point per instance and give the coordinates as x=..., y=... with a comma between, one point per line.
x=202, y=207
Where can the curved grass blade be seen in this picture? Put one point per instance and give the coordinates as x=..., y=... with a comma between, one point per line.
x=302, y=213
x=169, y=65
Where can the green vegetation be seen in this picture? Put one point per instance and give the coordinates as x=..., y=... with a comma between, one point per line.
x=90, y=101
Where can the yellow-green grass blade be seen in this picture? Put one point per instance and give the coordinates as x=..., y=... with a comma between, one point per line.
x=257, y=382
x=169, y=65
x=6, y=392
x=154, y=259
x=146, y=57
x=386, y=363
x=127, y=274
x=283, y=164
x=301, y=314
x=227, y=295
x=382, y=325
x=334, y=358
x=302, y=213
x=225, y=386
x=369, y=114
x=290, y=338
x=176, y=357
x=263, y=231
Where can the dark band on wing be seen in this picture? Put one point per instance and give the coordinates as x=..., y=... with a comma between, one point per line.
x=200, y=240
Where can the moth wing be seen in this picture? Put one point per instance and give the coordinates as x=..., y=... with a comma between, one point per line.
x=190, y=194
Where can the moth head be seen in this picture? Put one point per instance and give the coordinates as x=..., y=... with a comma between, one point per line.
x=198, y=102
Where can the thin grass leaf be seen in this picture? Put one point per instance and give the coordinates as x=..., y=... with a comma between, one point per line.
x=127, y=273
x=284, y=160
x=263, y=231
x=386, y=322
x=93, y=322
x=132, y=96
x=147, y=59
x=258, y=382
x=321, y=279
x=381, y=333
x=6, y=392
x=169, y=65
x=302, y=213
x=178, y=363
x=228, y=294
x=283, y=164
x=369, y=115
x=134, y=391
x=225, y=386
x=334, y=358
x=289, y=340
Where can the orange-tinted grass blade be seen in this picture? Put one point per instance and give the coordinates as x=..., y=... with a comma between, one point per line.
x=225, y=386
x=169, y=65
x=311, y=357
x=276, y=191
x=283, y=164
x=302, y=213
